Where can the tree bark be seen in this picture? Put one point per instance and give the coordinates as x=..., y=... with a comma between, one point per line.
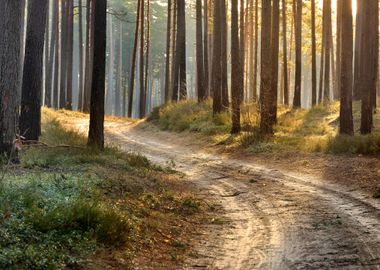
x=133, y=66
x=275, y=42
x=81, y=56
x=168, y=51
x=235, y=65
x=32, y=83
x=223, y=17
x=313, y=56
x=96, y=131
x=10, y=47
x=199, y=53
x=216, y=60
x=346, y=118
x=141, y=65
x=298, y=38
x=265, y=87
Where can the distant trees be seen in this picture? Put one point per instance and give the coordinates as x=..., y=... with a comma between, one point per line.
x=201, y=89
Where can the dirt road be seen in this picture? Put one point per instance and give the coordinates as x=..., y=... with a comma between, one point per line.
x=272, y=219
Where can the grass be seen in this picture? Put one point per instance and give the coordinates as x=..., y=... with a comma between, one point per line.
x=65, y=202
x=313, y=130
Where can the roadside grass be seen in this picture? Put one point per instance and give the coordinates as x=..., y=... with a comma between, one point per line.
x=65, y=203
x=301, y=130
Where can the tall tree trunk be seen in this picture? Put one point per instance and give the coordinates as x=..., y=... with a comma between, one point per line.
x=346, y=119
x=32, y=83
x=369, y=49
x=255, y=69
x=199, y=53
x=133, y=66
x=96, y=130
x=10, y=47
x=206, y=48
x=313, y=56
x=242, y=47
x=47, y=72
x=63, y=52
x=142, y=104
x=235, y=65
x=89, y=55
x=265, y=87
x=358, y=34
x=168, y=51
x=52, y=48
x=119, y=65
x=216, y=60
x=327, y=49
x=56, y=56
x=275, y=42
x=223, y=17
x=298, y=38
x=251, y=91
x=338, y=49
x=111, y=59
x=147, y=57
x=81, y=56
x=69, y=55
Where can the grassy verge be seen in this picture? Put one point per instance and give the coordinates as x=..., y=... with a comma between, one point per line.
x=68, y=206
x=314, y=130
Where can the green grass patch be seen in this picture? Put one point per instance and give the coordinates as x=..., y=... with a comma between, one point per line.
x=301, y=130
x=65, y=202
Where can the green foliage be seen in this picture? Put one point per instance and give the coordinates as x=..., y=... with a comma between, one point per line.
x=366, y=145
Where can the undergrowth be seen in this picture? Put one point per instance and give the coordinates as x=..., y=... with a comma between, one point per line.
x=301, y=130
x=65, y=201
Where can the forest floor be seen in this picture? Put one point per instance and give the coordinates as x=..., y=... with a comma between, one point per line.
x=276, y=211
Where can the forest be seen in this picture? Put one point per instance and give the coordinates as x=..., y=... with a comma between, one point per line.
x=189, y=134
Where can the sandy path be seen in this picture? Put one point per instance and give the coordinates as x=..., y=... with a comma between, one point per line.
x=276, y=219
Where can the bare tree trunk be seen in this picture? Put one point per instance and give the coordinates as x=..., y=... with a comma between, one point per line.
x=298, y=37
x=199, y=53
x=235, y=65
x=81, y=56
x=327, y=51
x=265, y=87
x=96, y=130
x=147, y=57
x=346, y=118
x=255, y=69
x=314, y=57
x=275, y=42
x=63, y=58
x=168, y=51
x=223, y=16
x=69, y=55
x=242, y=47
x=119, y=72
x=216, y=60
x=141, y=66
x=32, y=83
x=133, y=66
x=10, y=47
x=206, y=48
x=56, y=56
x=111, y=59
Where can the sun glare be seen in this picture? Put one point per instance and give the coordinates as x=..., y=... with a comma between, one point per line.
x=354, y=5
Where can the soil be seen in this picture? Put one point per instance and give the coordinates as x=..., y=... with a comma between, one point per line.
x=285, y=211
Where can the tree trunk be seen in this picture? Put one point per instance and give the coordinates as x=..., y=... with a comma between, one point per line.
x=298, y=38
x=63, y=58
x=265, y=87
x=199, y=54
x=327, y=49
x=168, y=51
x=255, y=69
x=368, y=62
x=47, y=72
x=346, y=118
x=119, y=75
x=242, y=48
x=56, y=56
x=96, y=131
x=81, y=56
x=89, y=55
x=358, y=34
x=69, y=55
x=10, y=47
x=338, y=49
x=133, y=66
x=111, y=59
x=32, y=83
x=275, y=42
x=141, y=66
x=235, y=65
x=223, y=17
x=313, y=56
x=216, y=60
x=147, y=59
x=205, y=48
